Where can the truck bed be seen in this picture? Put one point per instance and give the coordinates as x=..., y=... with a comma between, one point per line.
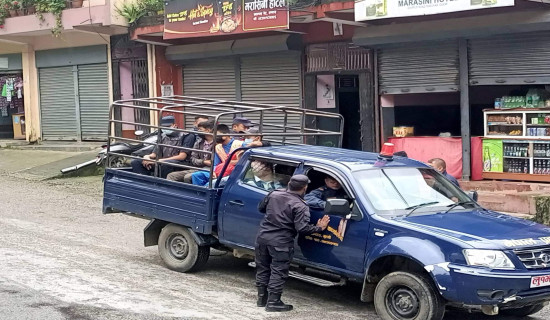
x=156, y=198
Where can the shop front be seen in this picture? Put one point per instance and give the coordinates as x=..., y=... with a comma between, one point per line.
x=438, y=81
x=261, y=70
x=513, y=71
x=74, y=93
x=12, y=110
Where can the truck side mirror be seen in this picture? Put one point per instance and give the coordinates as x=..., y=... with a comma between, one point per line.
x=473, y=195
x=337, y=207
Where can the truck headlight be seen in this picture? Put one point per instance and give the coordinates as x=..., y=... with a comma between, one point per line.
x=493, y=259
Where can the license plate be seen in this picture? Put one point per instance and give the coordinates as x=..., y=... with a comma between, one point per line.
x=540, y=281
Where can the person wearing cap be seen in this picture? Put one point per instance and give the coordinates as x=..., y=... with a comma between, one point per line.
x=286, y=216
x=255, y=141
x=240, y=125
x=332, y=189
x=168, y=154
x=263, y=176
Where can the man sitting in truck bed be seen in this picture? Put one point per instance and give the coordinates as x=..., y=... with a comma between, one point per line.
x=205, y=143
x=251, y=142
x=166, y=154
x=224, y=147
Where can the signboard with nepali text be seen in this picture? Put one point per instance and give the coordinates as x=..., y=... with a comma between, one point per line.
x=199, y=18
x=381, y=9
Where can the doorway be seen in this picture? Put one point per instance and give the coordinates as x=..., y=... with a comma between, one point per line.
x=348, y=102
x=343, y=98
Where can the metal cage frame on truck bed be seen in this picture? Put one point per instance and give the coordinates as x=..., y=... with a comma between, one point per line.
x=293, y=127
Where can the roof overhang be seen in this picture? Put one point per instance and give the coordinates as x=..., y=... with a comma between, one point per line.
x=511, y=22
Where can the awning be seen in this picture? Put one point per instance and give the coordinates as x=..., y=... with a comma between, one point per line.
x=513, y=22
x=185, y=53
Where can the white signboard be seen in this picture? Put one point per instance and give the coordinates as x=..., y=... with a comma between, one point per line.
x=167, y=90
x=381, y=9
x=325, y=92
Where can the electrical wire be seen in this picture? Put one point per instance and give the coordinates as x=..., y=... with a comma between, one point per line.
x=300, y=5
x=91, y=21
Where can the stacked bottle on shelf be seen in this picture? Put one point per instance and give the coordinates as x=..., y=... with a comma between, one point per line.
x=516, y=150
x=541, y=150
x=516, y=165
x=541, y=166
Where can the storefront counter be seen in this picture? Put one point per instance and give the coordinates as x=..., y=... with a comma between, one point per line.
x=448, y=149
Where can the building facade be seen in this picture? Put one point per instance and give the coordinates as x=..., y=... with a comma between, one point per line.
x=60, y=84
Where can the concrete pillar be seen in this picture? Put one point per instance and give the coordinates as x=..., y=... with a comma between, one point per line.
x=30, y=87
x=152, y=76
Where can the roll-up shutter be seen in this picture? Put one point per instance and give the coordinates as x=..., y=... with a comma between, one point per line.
x=57, y=103
x=510, y=59
x=419, y=68
x=93, y=91
x=273, y=79
x=214, y=79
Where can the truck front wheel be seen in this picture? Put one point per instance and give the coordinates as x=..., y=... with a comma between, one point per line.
x=408, y=296
x=179, y=250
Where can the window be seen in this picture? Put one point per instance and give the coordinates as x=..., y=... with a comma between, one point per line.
x=332, y=188
x=396, y=191
x=267, y=174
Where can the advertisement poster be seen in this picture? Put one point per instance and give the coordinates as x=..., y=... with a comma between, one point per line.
x=381, y=9
x=492, y=156
x=199, y=18
x=325, y=92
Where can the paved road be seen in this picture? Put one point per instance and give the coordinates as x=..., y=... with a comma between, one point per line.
x=60, y=258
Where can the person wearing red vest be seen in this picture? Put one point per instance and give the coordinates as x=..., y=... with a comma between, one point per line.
x=225, y=145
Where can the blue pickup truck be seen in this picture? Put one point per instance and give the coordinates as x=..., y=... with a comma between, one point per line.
x=415, y=241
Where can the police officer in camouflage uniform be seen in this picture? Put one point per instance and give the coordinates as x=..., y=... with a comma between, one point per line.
x=286, y=215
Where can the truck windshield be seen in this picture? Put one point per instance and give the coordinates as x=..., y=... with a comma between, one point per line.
x=402, y=191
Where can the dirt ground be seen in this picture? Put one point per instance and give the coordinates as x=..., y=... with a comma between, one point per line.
x=61, y=258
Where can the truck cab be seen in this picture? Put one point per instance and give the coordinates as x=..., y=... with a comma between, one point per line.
x=416, y=242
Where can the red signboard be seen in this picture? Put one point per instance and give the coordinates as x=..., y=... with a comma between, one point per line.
x=197, y=18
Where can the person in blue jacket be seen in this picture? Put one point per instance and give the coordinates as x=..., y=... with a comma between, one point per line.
x=440, y=165
x=317, y=198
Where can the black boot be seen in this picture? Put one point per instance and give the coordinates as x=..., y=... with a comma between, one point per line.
x=274, y=304
x=262, y=296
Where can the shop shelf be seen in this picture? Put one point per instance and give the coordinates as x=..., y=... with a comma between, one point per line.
x=539, y=125
x=506, y=125
x=516, y=176
x=511, y=157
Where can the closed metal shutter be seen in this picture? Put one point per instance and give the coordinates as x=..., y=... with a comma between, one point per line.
x=419, y=68
x=93, y=91
x=57, y=103
x=213, y=79
x=516, y=59
x=273, y=79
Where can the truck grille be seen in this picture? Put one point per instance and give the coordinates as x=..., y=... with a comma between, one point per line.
x=537, y=258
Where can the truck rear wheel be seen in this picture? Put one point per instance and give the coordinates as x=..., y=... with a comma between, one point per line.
x=179, y=250
x=408, y=296
x=524, y=311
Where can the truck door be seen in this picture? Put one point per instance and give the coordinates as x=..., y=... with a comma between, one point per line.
x=343, y=244
x=240, y=217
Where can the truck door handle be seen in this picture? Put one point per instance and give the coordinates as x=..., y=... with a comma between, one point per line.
x=236, y=202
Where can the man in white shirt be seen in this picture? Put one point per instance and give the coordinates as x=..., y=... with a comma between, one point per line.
x=263, y=176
